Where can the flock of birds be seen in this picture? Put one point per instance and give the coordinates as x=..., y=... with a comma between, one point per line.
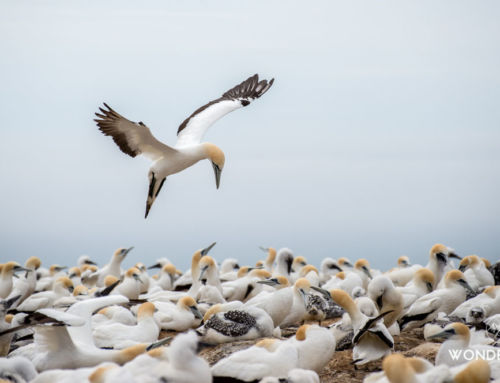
x=91, y=324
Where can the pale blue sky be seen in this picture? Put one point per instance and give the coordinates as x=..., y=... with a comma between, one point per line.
x=379, y=137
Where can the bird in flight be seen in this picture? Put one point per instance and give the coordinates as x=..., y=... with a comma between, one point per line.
x=134, y=138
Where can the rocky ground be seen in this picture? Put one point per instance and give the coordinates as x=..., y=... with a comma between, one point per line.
x=340, y=369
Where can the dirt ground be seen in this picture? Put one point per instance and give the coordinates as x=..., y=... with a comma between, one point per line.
x=339, y=369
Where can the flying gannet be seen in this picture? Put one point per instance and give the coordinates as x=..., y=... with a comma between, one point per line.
x=135, y=138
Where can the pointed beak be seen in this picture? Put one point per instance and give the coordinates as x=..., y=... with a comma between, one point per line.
x=202, y=273
x=453, y=255
x=128, y=251
x=89, y=262
x=196, y=312
x=441, y=258
x=217, y=172
x=466, y=285
x=462, y=268
x=71, y=289
x=20, y=268
x=367, y=272
x=429, y=286
x=137, y=278
x=155, y=266
x=269, y=282
x=304, y=296
x=207, y=249
x=443, y=334
x=336, y=267
x=324, y=292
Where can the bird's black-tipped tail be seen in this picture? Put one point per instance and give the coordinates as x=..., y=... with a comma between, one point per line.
x=155, y=186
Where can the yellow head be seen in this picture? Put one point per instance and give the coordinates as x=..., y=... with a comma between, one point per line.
x=109, y=280
x=307, y=269
x=260, y=273
x=268, y=343
x=299, y=262
x=66, y=283
x=242, y=271
x=486, y=262
x=145, y=310
x=80, y=290
x=169, y=269
x=301, y=332
x=397, y=368
x=477, y=371
x=216, y=156
x=403, y=261
x=212, y=311
x=344, y=262
x=33, y=263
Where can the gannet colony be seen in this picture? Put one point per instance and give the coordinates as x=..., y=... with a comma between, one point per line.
x=279, y=320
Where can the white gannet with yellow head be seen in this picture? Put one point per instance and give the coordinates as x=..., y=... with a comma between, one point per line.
x=476, y=272
x=445, y=300
x=135, y=138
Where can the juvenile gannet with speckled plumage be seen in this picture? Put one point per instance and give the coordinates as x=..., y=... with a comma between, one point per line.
x=238, y=324
x=136, y=138
x=119, y=336
x=446, y=299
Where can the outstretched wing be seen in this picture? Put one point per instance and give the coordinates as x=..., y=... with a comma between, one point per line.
x=194, y=127
x=132, y=138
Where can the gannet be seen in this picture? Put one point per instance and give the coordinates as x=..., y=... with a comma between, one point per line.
x=143, y=277
x=371, y=338
x=297, y=375
x=315, y=347
x=398, y=369
x=298, y=263
x=477, y=275
x=165, y=280
x=131, y=285
x=239, y=324
x=446, y=299
x=46, y=279
x=421, y=284
x=229, y=269
x=245, y=287
x=382, y=292
x=297, y=311
x=180, y=317
x=346, y=281
x=85, y=260
x=74, y=274
x=271, y=256
x=113, y=267
x=160, y=262
x=62, y=287
x=276, y=303
x=269, y=357
x=284, y=261
x=25, y=285
x=451, y=352
x=184, y=366
x=209, y=274
x=488, y=301
x=362, y=268
x=17, y=369
x=310, y=273
x=119, y=336
x=6, y=275
x=136, y=138
x=113, y=314
x=328, y=268
x=191, y=278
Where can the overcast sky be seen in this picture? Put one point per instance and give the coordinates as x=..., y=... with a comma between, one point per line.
x=380, y=136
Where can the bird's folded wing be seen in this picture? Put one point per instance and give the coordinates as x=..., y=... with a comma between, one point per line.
x=193, y=128
x=132, y=138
